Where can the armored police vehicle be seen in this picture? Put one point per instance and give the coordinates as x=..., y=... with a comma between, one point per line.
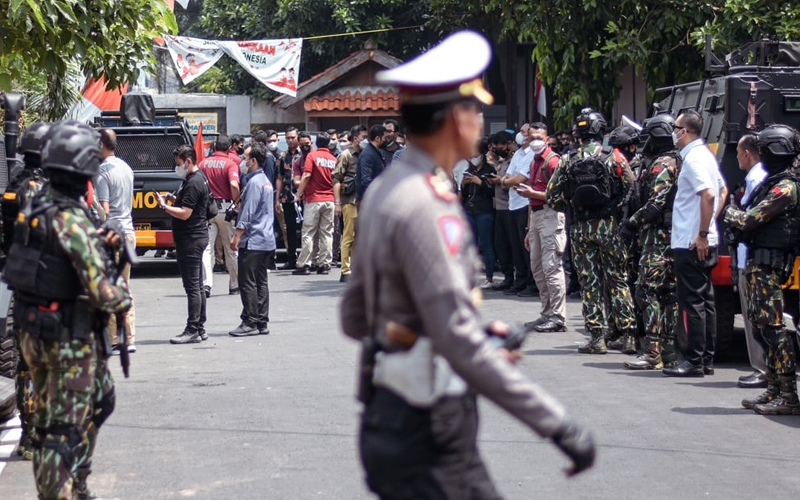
x=756, y=86
x=146, y=139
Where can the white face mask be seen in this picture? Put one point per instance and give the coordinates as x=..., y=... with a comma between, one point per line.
x=538, y=146
x=520, y=139
x=181, y=171
x=475, y=161
x=272, y=146
x=675, y=138
x=363, y=144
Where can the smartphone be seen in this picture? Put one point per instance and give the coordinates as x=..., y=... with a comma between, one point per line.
x=521, y=185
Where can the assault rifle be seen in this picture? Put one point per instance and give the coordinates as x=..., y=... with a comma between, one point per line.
x=126, y=255
x=732, y=236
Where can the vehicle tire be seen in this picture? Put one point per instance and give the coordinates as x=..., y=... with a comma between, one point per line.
x=726, y=302
x=8, y=366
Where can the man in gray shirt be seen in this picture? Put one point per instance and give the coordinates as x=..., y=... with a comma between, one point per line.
x=114, y=191
x=255, y=242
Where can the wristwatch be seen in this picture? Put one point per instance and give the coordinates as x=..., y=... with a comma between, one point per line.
x=703, y=234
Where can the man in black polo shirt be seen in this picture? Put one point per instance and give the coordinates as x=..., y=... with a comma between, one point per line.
x=190, y=232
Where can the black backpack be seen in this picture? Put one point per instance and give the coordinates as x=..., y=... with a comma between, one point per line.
x=592, y=186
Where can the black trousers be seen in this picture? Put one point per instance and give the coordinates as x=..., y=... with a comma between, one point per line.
x=253, y=286
x=503, y=227
x=290, y=216
x=190, y=263
x=520, y=256
x=423, y=454
x=696, y=304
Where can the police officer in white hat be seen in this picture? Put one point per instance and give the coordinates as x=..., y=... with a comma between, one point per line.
x=413, y=296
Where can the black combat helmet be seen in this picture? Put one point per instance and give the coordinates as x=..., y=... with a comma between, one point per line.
x=778, y=146
x=32, y=139
x=657, y=133
x=590, y=124
x=73, y=150
x=623, y=136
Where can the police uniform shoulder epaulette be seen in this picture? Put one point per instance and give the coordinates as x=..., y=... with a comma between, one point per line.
x=441, y=186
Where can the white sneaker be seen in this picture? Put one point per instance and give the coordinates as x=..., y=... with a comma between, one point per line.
x=131, y=347
x=486, y=284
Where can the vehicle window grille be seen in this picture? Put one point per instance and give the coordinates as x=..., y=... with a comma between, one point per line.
x=149, y=152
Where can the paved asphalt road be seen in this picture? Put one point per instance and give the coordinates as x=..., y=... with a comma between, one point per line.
x=273, y=417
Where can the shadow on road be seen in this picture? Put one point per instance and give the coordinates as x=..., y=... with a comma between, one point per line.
x=712, y=385
x=713, y=410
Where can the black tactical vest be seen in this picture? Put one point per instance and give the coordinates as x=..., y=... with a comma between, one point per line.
x=13, y=200
x=37, y=266
x=780, y=233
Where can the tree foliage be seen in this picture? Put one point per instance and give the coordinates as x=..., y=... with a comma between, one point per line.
x=101, y=37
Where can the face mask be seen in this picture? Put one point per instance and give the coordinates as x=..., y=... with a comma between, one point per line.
x=333, y=145
x=538, y=146
x=475, y=161
x=363, y=144
x=520, y=139
x=272, y=146
x=501, y=153
x=675, y=138
x=305, y=149
x=181, y=171
x=387, y=144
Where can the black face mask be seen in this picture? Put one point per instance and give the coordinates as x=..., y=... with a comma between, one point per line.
x=501, y=153
x=305, y=149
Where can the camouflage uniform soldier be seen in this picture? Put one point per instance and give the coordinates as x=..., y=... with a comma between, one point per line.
x=591, y=183
x=655, y=287
x=63, y=282
x=416, y=302
x=770, y=225
x=24, y=184
x=624, y=139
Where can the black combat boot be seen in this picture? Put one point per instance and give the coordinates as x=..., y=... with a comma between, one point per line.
x=629, y=343
x=650, y=360
x=668, y=354
x=615, y=341
x=765, y=397
x=594, y=346
x=785, y=403
x=80, y=490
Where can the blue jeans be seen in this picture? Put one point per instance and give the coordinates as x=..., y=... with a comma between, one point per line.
x=483, y=229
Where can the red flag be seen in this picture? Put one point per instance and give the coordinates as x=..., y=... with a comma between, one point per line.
x=198, y=145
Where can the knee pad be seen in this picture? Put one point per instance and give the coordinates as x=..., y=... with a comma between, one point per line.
x=104, y=408
x=63, y=439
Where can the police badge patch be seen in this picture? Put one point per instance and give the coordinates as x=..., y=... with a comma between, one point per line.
x=452, y=229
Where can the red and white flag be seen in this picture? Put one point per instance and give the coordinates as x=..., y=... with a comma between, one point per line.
x=275, y=63
x=192, y=56
x=96, y=99
x=541, y=95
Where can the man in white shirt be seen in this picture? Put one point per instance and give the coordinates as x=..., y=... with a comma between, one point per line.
x=114, y=191
x=750, y=162
x=518, y=173
x=698, y=203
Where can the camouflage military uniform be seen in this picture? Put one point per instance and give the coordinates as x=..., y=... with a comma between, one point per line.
x=598, y=252
x=656, y=293
x=24, y=184
x=766, y=272
x=72, y=386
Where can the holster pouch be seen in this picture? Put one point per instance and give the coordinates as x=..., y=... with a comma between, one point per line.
x=776, y=259
x=83, y=320
x=43, y=324
x=366, y=369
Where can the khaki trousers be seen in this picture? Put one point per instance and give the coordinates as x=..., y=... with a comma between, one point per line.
x=548, y=239
x=225, y=230
x=317, y=225
x=130, y=318
x=349, y=215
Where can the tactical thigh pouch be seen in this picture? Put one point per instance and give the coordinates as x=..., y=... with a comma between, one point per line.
x=75, y=319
